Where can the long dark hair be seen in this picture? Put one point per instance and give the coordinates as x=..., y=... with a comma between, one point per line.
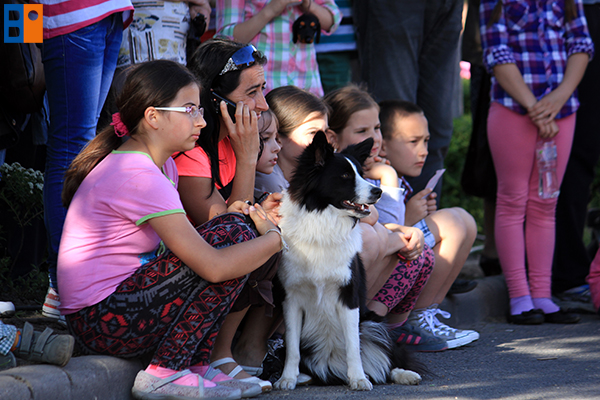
x=153, y=83
x=206, y=63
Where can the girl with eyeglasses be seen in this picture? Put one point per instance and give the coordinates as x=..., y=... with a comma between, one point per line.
x=136, y=277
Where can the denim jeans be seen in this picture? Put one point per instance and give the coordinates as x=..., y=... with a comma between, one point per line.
x=78, y=67
x=408, y=51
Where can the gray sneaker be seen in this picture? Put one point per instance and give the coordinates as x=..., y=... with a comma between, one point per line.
x=426, y=319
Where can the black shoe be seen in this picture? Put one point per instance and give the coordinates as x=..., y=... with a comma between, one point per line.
x=462, y=286
x=562, y=317
x=531, y=317
x=490, y=266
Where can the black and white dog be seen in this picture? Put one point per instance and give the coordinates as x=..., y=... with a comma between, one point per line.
x=328, y=327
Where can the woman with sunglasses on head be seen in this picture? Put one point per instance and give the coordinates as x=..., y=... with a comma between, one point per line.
x=285, y=31
x=136, y=278
x=220, y=171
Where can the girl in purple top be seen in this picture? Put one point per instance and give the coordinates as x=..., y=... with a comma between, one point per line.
x=537, y=52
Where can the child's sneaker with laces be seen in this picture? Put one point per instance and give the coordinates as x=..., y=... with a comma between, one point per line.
x=417, y=339
x=426, y=319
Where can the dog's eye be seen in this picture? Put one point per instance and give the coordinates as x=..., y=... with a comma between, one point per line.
x=346, y=175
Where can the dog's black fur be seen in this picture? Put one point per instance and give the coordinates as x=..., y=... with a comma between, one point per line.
x=324, y=277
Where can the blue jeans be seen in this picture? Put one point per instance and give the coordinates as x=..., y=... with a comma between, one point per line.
x=408, y=51
x=78, y=67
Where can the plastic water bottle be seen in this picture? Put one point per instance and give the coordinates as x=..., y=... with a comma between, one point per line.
x=546, y=160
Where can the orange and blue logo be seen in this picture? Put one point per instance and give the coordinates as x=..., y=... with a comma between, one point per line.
x=27, y=21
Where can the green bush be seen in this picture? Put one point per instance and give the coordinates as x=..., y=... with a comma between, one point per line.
x=452, y=193
x=21, y=202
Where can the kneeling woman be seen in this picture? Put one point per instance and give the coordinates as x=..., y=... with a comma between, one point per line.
x=135, y=277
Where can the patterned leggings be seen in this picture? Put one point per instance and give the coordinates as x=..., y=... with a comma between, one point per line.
x=164, y=308
x=404, y=285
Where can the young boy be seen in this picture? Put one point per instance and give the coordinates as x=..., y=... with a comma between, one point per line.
x=405, y=136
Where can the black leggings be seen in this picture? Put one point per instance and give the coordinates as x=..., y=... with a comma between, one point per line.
x=164, y=308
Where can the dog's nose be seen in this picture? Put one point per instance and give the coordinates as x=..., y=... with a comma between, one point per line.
x=376, y=191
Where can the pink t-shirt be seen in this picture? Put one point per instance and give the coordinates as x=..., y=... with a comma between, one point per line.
x=105, y=237
x=195, y=162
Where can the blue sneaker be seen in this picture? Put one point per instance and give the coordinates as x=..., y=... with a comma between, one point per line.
x=417, y=339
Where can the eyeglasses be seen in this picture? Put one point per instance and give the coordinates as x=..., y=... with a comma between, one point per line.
x=194, y=111
x=244, y=57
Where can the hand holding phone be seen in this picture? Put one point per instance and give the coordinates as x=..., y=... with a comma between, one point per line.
x=231, y=106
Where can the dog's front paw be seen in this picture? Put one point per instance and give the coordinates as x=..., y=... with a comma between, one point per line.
x=285, y=384
x=405, y=377
x=361, y=384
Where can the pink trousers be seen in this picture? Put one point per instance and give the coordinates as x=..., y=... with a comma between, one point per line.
x=594, y=280
x=524, y=224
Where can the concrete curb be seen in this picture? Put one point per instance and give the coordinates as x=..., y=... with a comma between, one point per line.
x=86, y=377
x=488, y=301
x=110, y=378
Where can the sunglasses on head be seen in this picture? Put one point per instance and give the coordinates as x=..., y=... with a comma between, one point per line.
x=244, y=57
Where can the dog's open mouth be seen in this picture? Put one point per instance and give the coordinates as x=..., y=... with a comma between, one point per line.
x=362, y=209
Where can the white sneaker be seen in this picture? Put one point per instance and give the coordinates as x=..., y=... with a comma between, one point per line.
x=7, y=309
x=50, y=309
x=51, y=304
x=426, y=319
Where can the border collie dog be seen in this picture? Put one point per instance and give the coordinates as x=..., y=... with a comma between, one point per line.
x=328, y=327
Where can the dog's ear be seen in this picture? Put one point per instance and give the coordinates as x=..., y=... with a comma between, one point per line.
x=360, y=151
x=318, y=30
x=322, y=149
x=295, y=29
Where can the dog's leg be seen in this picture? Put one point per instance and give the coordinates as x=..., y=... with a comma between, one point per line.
x=356, y=375
x=292, y=315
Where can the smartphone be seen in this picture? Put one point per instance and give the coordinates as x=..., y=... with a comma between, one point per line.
x=231, y=106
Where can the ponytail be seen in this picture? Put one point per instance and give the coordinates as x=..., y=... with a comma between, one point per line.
x=94, y=152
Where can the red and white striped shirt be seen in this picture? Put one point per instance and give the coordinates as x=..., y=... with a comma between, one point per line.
x=66, y=16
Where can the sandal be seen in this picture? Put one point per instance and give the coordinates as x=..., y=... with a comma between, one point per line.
x=150, y=387
x=46, y=347
x=254, y=371
x=248, y=389
x=265, y=386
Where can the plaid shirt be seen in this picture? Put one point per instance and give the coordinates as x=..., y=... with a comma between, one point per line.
x=288, y=63
x=536, y=37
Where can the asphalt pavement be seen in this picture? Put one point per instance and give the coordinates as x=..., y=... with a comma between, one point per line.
x=508, y=362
